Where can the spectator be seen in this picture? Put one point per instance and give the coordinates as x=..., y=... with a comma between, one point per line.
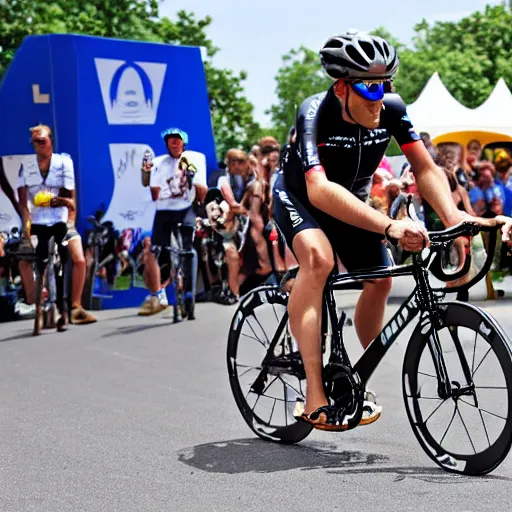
x=174, y=184
x=47, y=171
x=425, y=137
x=486, y=197
x=503, y=165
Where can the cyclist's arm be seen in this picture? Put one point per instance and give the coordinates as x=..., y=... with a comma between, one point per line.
x=227, y=191
x=67, y=191
x=6, y=187
x=154, y=183
x=307, y=130
x=341, y=204
x=22, y=201
x=199, y=182
x=201, y=190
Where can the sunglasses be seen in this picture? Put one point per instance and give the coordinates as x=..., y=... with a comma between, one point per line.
x=371, y=90
x=237, y=161
x=39, y=142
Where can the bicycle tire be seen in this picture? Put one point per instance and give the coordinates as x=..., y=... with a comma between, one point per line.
x=38, y=318
x=455, y=315
x=289, y=433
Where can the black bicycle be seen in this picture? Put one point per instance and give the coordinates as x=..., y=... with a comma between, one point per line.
x=180, y=260
x=49, y=291
x=100, y=252
x=456, y=359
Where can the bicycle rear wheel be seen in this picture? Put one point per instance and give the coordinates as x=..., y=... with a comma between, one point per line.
x=265, y=395
x=38, y=319
x=470, y=433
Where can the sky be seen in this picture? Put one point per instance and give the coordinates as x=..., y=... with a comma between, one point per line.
x=253, y=36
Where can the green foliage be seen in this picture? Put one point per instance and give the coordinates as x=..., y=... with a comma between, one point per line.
x=299, y=77
x=232, y=113
x=470, y=56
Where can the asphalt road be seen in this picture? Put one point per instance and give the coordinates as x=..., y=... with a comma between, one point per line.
x=136, y=414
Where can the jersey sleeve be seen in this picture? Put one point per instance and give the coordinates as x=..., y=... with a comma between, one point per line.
x=154, y=175
x=69, y=172
x=398, y=122
x=307, y=131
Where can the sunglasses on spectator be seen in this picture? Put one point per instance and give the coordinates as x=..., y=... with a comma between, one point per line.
x=237, y=161
x=371, y=90
x=39, y=142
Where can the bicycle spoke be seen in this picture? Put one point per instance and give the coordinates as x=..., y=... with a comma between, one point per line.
x=277, y=318
x=249, y=368
x=424, y=397
x=449, y=425
x=253, y=338
x=490, y=387
x=466, y=428
x=264, y=332
x=263, y=394
x=483, y=410
x=290, y=386
x=434, y=411
x=485, y=427
x=427, y=375
x=254, y=332
x=480, y=364
x=272, y=412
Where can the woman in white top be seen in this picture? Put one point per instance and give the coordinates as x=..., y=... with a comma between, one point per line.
x=45, y=184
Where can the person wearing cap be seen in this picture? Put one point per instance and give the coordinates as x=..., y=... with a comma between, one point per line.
x=320, y=200
x=174, y=183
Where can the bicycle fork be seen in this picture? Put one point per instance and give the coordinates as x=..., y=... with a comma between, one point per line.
x=431, y=323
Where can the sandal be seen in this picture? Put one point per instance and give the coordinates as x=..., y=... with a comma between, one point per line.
x=331, y=420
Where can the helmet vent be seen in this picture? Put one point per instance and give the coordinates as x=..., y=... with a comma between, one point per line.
x=356, y=56
x=368, y=49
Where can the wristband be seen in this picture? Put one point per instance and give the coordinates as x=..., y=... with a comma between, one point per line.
x=391, y=240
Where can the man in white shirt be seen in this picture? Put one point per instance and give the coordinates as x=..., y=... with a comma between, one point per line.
x=52, y=175
x=174, y=185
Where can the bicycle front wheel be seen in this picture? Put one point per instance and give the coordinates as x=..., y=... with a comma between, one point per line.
x=470, y=432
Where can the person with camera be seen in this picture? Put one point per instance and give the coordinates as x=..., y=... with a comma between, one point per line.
x=175, y=184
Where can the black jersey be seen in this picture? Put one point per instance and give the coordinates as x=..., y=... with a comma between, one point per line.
x=348, y=152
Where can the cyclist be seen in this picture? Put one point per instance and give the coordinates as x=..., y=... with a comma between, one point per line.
x=174, y=184
x=320, y=198
x=46, y=181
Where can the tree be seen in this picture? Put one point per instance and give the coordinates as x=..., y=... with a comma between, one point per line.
x=470, y=56
x=232, y=113
x=299, y=77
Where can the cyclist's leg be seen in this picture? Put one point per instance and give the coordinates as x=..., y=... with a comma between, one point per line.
x=316, y=260
x=159, y=239
x=59, y=231
x=43, y=235
x=187, y=237
x=359, y=249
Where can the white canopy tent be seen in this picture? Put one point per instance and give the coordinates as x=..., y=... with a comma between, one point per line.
x=438, y=113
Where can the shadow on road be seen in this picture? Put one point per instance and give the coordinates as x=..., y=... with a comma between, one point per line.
x=254, y=455
x=257, y=456
x=21, y=336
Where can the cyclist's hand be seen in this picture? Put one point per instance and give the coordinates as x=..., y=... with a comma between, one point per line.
x=237, y=208
x=147, y=166
x=55, y=202
x=506, y=226
x=412, y=236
